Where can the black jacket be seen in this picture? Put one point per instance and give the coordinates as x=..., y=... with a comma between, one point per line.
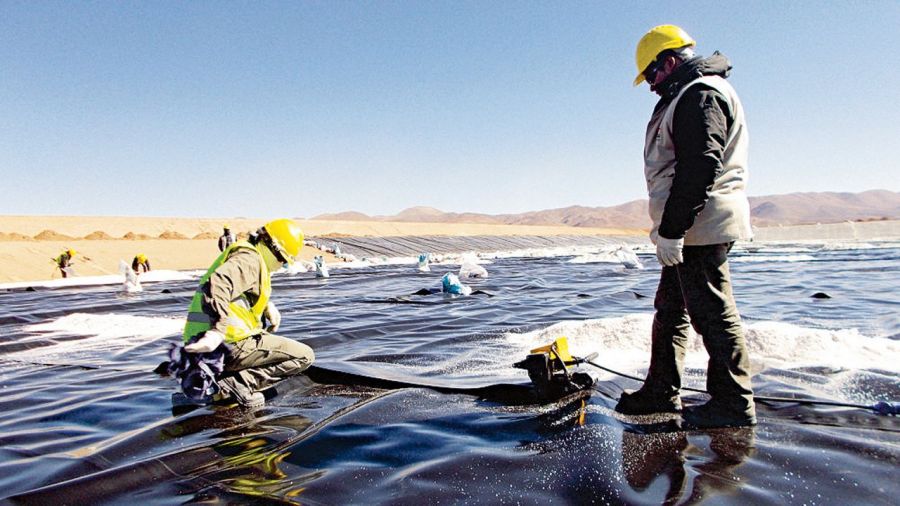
x=700, y=128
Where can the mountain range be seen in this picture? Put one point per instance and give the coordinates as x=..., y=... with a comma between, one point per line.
x=788, y=209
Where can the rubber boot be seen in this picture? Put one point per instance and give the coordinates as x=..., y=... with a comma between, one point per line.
x=646, y=401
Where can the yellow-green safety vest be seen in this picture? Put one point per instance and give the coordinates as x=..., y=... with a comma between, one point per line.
x=242, y=319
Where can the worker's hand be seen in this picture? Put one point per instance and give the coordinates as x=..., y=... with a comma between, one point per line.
x=210, y=341
x=669, y=251
x=273, y=316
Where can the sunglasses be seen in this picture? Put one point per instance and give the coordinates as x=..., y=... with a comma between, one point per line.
x=652, y=70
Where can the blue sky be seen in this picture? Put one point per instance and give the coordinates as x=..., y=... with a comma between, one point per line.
x=300, y=108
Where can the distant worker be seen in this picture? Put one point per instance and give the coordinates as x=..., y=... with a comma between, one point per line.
x=695, y=164
x=232, y=316
x=227, y=238
x=64, y=262
x=140, y=264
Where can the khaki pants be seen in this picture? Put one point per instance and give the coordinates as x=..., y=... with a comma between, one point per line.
x=698, y=293
x=258, y=362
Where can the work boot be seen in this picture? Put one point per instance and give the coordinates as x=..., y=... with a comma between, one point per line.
x=179, y=400
x=715, y=415
x=244, y=396
x=646, y=402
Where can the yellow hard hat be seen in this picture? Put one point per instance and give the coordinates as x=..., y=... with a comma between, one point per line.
x=657, y=40
x=225, y=226
x=141, y=258
x=286, y=237
x=71, y=252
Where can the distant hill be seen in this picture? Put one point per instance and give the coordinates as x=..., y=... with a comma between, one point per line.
x=789, y=209
x=824, y=207
x=345, y=216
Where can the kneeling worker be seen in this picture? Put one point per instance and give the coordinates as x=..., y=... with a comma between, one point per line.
x=64, y=261
x=140, y=264
x=228, y=310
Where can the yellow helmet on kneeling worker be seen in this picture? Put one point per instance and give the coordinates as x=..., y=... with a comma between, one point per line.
x=286, y=238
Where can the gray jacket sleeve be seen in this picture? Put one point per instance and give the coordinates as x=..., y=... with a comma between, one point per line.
x=237, y=275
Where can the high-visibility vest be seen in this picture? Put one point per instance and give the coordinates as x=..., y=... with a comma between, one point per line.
x=62, y=260
x=243, y=320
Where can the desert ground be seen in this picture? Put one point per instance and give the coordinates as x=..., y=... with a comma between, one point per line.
x=29, y=243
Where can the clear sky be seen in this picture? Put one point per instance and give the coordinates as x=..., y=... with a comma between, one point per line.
x=260, y=108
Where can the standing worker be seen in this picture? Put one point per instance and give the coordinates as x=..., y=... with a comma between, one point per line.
x=227, y=315
x=64, y=261
x=695, y=163
x=140, y=264
x=227, y=238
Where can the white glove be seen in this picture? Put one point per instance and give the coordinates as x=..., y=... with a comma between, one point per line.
x=210, y=341
x=668, y=251
x=273, y=316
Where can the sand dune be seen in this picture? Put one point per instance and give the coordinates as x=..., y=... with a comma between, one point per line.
x=98, y=235
x=150, y=227
x=171, y=234
x=131, y=236
x=52, y=235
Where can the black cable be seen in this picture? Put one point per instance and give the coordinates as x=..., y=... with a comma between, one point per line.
x=884, y=408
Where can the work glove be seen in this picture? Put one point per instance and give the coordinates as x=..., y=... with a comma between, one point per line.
x=668, y=251
x=273, y=316
x=210, y=341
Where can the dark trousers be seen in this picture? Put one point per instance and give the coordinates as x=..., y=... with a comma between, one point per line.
x=698, y=293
